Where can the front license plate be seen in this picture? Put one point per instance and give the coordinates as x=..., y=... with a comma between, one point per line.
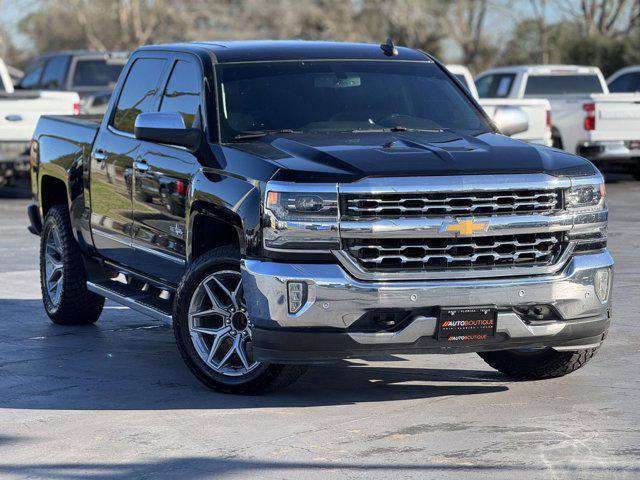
x=460, y=325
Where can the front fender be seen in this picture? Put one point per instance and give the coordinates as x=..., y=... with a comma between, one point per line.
x=230, y=199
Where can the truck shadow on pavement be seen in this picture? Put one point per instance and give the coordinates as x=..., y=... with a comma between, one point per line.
x=194, y=468
x=127, y=362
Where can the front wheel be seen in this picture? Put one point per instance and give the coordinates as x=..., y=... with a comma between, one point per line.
x=537, y=364
x=213, y=329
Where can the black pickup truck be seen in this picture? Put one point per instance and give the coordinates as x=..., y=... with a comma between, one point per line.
x=289, y=203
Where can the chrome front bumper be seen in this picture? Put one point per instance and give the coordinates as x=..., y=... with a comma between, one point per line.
x=336, y=300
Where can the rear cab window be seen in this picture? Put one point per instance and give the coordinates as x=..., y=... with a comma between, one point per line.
x=138, y=94
x=542, y=85
x=183, y=92
x=496, y=85
x=96, y=73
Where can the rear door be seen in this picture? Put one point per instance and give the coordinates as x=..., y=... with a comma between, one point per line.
x=162, y=180
x=114, y=153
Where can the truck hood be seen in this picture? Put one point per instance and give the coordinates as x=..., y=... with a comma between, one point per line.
x=348, y=157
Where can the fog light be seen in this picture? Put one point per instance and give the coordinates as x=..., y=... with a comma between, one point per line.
x=297, y=296
x=601, y=283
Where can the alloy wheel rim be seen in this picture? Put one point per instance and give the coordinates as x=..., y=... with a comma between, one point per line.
x=53, y=269
x=219, y=324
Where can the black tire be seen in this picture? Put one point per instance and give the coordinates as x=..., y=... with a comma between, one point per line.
x=635, y=171
x=265, y=377
x=556, y=142
x=75, y=305
x=537, y=365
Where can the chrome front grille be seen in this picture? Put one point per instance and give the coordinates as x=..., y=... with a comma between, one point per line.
x=380, y=254
x=499, y=202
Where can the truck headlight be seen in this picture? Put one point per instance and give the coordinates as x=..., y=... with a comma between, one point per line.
x=302, y=206
x=586, y=196
x=301, y=217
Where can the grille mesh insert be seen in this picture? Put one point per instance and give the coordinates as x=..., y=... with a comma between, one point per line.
x=449, y=253
x=507, y=202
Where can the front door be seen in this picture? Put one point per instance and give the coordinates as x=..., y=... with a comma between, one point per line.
x=162, y=182
x=112, y=162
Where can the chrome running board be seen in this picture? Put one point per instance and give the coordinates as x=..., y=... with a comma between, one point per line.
x=139, y=300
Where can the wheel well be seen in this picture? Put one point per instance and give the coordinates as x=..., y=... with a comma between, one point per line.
x=53, y=191
x=556, y=137
x=209, y=233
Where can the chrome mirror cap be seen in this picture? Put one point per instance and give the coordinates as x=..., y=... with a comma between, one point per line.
x=170, y=120
x=511, y=120
x=166, y=128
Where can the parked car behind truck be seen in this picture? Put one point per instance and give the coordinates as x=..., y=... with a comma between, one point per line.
x=91, y=74
x=586, y=119
x=19, y=112
x=625, y=80
x=537, y=110
x=337, y=200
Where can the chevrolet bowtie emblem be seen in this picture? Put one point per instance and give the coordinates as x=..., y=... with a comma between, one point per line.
x=464, y=228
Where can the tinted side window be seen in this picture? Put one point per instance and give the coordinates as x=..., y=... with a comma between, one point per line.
x=495, y=86
x=54, y=72
x=138, y=93
x=32, y=75
x=625, y=83
x=182, y=94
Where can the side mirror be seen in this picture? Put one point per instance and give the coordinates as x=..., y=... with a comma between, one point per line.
x=510, y=120
x=166, y=128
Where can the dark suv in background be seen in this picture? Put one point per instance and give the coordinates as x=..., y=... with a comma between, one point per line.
x=92, y=74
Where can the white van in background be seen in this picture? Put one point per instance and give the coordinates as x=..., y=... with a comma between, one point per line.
x=536, y=109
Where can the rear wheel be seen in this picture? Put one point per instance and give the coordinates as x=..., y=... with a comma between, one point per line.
x=62, y=274
x=213, y=329
x=556, y=141
x=537, y=364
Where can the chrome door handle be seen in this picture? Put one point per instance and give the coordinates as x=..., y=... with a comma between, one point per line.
x=141, y=166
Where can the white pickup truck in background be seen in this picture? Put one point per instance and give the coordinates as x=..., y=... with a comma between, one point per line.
x=586, y=119
x=537, y=110
x=19, y=113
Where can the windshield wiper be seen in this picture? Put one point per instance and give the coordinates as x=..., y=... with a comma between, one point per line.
x=260, y=134
x=397, y=128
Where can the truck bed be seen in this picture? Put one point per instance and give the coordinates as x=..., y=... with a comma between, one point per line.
x=20, y=111
x=66, y=138
x=73, y=128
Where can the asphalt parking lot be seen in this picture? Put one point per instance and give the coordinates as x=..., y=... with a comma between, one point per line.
x=114, y=400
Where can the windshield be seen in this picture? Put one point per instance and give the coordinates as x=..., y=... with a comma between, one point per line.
x=341, y=96
x=97, y=73
x=562, y=84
